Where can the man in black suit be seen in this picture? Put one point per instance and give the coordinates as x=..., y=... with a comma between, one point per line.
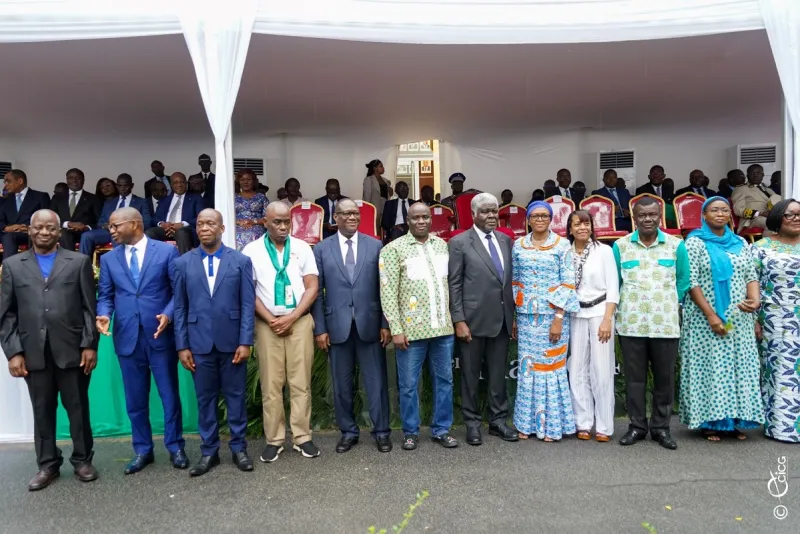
x=482, y=309
x=564, y=178
x=427, y=196
x=395, y=214
x=656, y=186
x=15, y=213
x=697, y=186
x=328, y=205
x=621, y=199
x=154, y=195
x=47, y=316
x=208, y=178
x=159, y=176
x=78, y=210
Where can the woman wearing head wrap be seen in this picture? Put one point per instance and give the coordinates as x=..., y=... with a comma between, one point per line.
x=544, y=294
x=719, y=382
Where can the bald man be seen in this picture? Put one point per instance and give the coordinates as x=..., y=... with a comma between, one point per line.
x=176, y=215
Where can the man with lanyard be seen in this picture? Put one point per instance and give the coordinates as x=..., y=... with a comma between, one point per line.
x=286, y=277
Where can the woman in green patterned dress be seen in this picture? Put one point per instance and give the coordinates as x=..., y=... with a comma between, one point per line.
x=719, y=383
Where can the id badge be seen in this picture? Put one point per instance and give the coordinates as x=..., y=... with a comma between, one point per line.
x=289, y=298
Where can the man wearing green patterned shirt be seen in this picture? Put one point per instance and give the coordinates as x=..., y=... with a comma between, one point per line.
x=654, y=277
x=416, y=303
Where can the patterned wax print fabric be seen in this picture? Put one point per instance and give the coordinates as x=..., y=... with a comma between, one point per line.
x=249, y=208
x=719, y=382
x=778, y=269
x=414, y=294
x=544, y=278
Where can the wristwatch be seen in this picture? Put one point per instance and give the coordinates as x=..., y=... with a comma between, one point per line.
x=560, y=315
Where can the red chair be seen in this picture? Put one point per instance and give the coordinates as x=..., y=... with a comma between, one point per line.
x=562, y=207
x=509, y=232
x=442, y=222
x=512, y=216
x=368, y=225
x=689, y=211
x=602, y=211
x=464, y=210
x=663, y=225
x=306, y=219
x=751, y=234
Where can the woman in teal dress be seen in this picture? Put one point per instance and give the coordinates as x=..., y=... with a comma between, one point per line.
x=544, y=293
x=777, y=261
x=719, y=382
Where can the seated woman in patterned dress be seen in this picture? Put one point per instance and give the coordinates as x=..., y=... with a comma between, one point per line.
x=250, y=209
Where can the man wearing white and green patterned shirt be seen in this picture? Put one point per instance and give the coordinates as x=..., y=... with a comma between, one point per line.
x=416, y=303
x=654, y=277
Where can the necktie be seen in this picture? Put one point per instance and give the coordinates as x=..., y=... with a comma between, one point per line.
x=700, y=192
x=135, y=267
x=121, y=203
x=350, y=260
x=495, y=256
x=566, y=193
x=332, y=209
x=205, y=176
x=658, y=190
x=173, y=214
x=72, y=202
x=19, y=201
x=405, y=212
x=616, y=201
x=217, y=254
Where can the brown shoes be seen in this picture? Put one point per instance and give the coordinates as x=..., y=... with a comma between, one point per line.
x=86, y=472
x=43, y=479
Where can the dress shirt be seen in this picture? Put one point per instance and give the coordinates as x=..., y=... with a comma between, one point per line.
x=155, y=204
x=205, y=176
x=482, y=238
x=343, y=246
x=565, y=192
x=78, y=195
x=700, y=191
x=301, y=263
x=211, y=279
x=125, y=202
x=398, y=220
x=296, y=202
x=140, y=247
x=175, y=199
x=599, y=277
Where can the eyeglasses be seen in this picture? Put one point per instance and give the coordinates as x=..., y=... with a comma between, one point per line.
x=540, y=217
x=116, y=226
x=791, y=216
x=348, y=214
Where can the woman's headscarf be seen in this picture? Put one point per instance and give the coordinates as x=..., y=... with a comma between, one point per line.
x=538, y=204
x=718, y=248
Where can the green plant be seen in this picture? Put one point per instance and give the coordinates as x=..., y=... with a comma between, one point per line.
x=406, y=516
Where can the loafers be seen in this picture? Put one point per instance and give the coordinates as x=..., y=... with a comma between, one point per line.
x=179, y=459
x=632, y=436
x=86, y=472
x=384, y=444
x=474, y=436
x=346, y=443
x=242, y=461
x=503, y=432
x=139, y=462
x=204, y=465
x=42, y=479
x=665, y=440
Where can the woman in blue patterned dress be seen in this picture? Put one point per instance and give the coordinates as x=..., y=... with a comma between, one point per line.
x=544, y=293
x=777, y=261
x=250, y=209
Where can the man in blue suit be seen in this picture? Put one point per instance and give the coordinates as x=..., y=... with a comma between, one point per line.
x=135, y=282
x=349, y=324
x=101, y=236
x=620, y=197
x=177, y=215
x=214, y=335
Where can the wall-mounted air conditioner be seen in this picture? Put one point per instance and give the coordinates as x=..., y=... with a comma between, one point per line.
x=5, y=166
x=254, y=164
x=622, y=161
x=766, y=155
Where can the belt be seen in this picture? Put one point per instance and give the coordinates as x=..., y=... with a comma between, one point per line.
x=593, y=303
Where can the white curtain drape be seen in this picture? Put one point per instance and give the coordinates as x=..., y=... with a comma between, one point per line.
x=16, y=419
x=218, y=36
x=782, y=21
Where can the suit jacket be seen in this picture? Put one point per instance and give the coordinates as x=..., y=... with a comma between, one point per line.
x=33, y=202
x=371, y=192
x=666, y=192
x=343, y=301
x=623, y=194
x=61, y=309
x=138, y=203
x=191, y=208
x=477, y=294
x=323, y=203
x=134, y=306
x=149, y=183
x=87, y=210
x=223, y=319
x=576, y=195
x=208, y=195
x=390, y=213
x=689, y=189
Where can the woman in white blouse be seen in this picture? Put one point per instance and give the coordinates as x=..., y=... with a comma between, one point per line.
x=591, y=362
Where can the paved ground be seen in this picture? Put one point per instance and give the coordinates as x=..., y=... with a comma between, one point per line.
x=499, y=487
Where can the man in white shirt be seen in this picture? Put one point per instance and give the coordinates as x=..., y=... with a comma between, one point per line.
x=394, y=221
x=177, y=215
x=563, y=189
x=287, y=282
x=78, y=210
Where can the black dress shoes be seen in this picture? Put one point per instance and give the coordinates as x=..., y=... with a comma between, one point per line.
x=384, y=443
x=632, y=436
x=665, y=439
x=242, y=461
x=139, y=462
x=345, y=444
x=42, y=479
x=86, y=472
x=504, y=432
x=474, y=436
x=204, y=465
x=179, y=459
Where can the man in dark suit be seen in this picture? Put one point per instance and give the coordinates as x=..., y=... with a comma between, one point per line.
x=214, y=335
x=656, y=186
x=621, y=199
x=177, y=215
x=15, y=213
x=136, y=288
x=47, y=308
x=349, y=325
x=156, y=193
x=697, y=185
x=159, y=176
x=427, y=196
x=101, y=236
x=394, y=220
x=328, y=205
x=78, y=210
x=482, y=309
x=564, y=179
x=208, y=178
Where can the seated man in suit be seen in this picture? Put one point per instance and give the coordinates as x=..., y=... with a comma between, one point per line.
x=395, y=214
x=154, y=195
x=696, y=185
x=427, y=196
x=177, y=215
x=753, y=202
x=78, y=210
x=507, y=197
x=97, y=237
x=207, y=178
x=564, y=179
x=328, y=204
x=198, y=187
x=620, y=197
x=656, y=186
x=15, y=214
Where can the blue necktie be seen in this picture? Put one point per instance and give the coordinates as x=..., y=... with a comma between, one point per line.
x=217, y=254
x=495, y=257
x=616, y=201
x=121, y=203
x=19, y=201
x=135, y=267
